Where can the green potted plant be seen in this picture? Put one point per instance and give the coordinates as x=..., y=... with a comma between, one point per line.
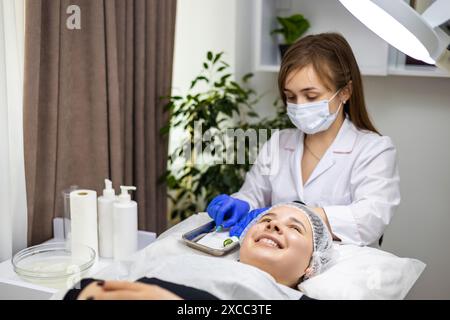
x=292, y=28
x=219, y=103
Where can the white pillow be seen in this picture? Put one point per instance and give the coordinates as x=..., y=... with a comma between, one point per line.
x=364, y=273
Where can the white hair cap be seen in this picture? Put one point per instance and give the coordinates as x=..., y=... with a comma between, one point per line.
x=322, y=241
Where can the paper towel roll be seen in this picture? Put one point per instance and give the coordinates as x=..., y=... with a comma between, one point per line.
x=83, y=215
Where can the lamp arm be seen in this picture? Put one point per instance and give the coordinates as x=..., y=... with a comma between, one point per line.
x=437, y=13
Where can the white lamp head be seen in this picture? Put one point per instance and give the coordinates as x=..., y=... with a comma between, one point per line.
x=404, y=28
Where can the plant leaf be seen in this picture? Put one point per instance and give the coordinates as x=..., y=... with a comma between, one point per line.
x=164, y=130
x=218, y=56
x=247, y=77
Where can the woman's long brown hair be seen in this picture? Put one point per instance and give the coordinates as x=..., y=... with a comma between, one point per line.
x=332, y=58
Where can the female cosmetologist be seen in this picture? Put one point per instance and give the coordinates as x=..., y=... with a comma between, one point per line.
x=335, y=161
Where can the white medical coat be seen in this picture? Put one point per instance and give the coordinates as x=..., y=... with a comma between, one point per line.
x=356, y=181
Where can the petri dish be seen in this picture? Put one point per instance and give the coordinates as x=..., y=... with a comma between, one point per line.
x=55, y=265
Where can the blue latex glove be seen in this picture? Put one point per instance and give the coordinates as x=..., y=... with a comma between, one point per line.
x=225, y=207
x=237, y=229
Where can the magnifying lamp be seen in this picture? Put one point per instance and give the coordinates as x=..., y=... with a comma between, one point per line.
x=418, y=36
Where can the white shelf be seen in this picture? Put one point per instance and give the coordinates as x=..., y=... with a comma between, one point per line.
x=417, y=71
x=397, y=66
x=374, y=55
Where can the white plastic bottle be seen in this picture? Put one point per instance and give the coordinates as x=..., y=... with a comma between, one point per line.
x=125, y=215
x=105, y=220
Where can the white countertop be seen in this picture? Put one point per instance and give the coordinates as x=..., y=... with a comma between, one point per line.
x=14, y=287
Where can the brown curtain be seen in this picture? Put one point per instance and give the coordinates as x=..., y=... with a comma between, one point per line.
x=92, y=106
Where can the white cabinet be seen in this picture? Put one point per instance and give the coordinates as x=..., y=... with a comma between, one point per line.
x=374, y=55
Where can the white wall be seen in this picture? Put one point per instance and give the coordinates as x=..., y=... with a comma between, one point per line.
x=414, y=111
x=201, y=26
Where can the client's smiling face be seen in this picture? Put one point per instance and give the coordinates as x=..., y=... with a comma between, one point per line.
x=281, y=244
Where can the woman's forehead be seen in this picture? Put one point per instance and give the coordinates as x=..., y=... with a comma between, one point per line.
x=286, y=212
x=305, y=76
x=302, y=78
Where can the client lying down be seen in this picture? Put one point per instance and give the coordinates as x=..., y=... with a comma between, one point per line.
x=280, y=248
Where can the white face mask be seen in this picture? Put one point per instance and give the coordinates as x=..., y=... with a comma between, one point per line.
x=312, y=117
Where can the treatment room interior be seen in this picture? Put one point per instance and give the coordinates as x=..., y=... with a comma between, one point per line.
x=412, y=108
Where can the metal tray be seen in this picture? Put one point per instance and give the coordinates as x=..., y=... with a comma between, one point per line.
x=191, y=238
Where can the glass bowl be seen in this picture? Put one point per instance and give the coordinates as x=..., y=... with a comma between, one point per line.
x=55, y=265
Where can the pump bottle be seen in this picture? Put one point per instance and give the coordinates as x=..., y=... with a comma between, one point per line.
x=125, y=234
x=105, y=220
